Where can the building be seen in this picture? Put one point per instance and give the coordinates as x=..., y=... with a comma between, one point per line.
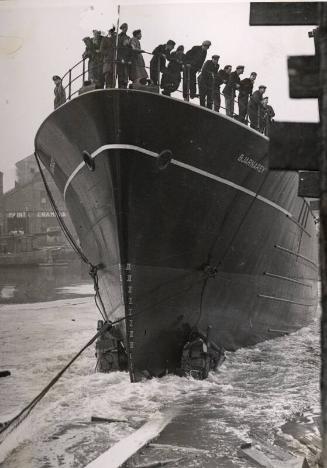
x=26, y=208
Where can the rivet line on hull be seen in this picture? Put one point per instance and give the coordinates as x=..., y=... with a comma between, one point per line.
x=180, y=164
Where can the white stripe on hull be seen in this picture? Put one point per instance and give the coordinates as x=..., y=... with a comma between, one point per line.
x=180, y=164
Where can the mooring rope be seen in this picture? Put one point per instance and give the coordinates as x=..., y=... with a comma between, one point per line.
x=93, y=269
x=22, y=415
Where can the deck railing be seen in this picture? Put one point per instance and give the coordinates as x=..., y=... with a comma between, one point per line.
x=75, y=79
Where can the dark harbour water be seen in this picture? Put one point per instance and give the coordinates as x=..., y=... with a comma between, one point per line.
x=257, y=393
x=46, y=283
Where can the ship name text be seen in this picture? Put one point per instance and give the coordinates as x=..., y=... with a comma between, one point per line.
x=247, y=161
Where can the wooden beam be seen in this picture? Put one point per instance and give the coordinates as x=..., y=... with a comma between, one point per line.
x=294, y=146
x=119, y=453
x=304, y=79
x=284, y=13
x=309, y=184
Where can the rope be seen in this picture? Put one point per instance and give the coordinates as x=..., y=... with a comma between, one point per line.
x=93, y=269
x=22, y=415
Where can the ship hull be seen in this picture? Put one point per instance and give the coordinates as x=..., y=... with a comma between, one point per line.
x=189, y=226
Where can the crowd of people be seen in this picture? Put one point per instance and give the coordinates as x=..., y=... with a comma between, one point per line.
x=121, y=56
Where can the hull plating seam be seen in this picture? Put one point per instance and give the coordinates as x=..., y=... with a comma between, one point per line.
x=287, y=279
x=284, y=300
x=297, y=255
x=180, y=164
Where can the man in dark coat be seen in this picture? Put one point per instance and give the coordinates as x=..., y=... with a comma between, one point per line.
x=245, y=91
x=255, y=106
x=107, y=51
x=59, y=92
x=171, y=77
x=221, y=78
x=266, y=116
x=123, y=56
x=207, y=80
x=229, y=91
x=158, y=61
x=89, y=53
x=98, y=75
x=194, y=59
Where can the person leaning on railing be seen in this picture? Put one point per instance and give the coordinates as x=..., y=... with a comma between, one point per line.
x=221, y=78
x=194, y=58
x=171, y=76
x=230, y=88
x=266, y=115
x=245, y=91
x=255, y=106
x=207, y=80
x=158, y=62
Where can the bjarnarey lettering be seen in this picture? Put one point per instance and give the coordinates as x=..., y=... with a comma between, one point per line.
x=247, y=161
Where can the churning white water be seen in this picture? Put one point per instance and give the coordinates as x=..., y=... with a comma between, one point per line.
x=253, y=394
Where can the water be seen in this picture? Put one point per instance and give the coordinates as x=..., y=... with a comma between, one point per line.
x=253, y=395
x=37, y=284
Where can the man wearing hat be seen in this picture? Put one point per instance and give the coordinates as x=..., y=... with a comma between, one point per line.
x=158, y=61
x=207, y=80
x=229, y=90
x=123, y=56
x=266, y=116
x=59, y=92
x=107, y=50
x=245, y=91
x=194, y=59
x=255, y=106
x=171, y=77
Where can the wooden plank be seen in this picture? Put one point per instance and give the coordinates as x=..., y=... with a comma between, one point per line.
x=304, y=79
x=294, y=146
x=126, y=448
x=284, y=13
x=309, y=184
x=261, y=459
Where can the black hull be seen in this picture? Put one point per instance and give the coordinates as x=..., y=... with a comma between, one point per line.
x=210, y=238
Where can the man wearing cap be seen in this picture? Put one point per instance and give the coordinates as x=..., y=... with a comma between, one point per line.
x=158, y=61
x=59, y=92
x=221, y=78
x=266, y=116
x=123, y=56
x=255, y=106
x=245, y=91
x=194, y=59
x=229, y=90
x=98, y=59
x=107, y=50
x=207, y=81
x=171, y=77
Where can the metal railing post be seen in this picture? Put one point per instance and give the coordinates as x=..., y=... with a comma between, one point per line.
x=69, y=83
x=188, y=78
x=83, y=71
x=158, y=71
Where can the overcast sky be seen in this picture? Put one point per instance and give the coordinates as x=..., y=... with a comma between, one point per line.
x=42, y=38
